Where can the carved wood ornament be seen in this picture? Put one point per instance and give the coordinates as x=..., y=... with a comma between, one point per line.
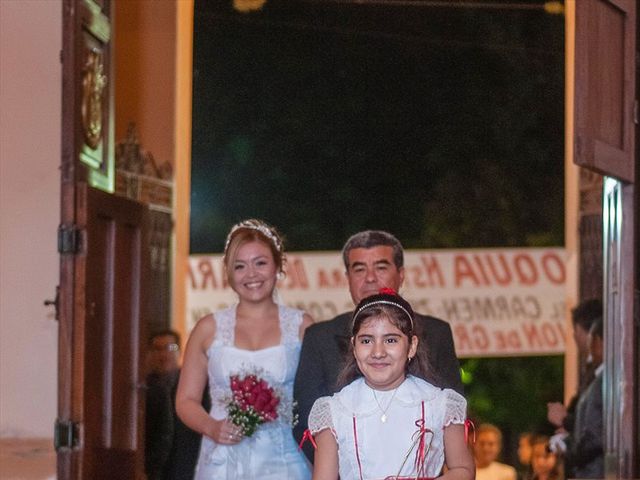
x=93, y=86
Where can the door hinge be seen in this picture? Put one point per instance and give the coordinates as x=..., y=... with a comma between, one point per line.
x=66, y=434
x=68, y=239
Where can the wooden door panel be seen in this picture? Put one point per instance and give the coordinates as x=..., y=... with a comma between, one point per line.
x=605, y=87
x=103, y=358
x=115, y=266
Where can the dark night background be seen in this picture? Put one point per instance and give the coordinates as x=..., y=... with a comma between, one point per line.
x=436, y=121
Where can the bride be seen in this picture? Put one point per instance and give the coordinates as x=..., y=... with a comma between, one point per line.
x=255, y=336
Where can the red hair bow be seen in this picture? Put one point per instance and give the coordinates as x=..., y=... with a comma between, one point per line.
x=388, y=291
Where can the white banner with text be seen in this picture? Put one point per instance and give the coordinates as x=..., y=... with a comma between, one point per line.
x=499, y=302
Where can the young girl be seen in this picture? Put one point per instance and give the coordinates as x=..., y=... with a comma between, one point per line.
x=544, y=463
x=524, y=455
x=387, y=423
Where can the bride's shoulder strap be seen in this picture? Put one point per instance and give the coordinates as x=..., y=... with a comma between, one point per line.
x=290, y=320
x=225, y=326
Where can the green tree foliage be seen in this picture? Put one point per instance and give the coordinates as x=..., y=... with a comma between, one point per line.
x=441, y=125
x=513, y=394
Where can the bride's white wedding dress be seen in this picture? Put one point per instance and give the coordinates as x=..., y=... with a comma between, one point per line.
x=271, y=453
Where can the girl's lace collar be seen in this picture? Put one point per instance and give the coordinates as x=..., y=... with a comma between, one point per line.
x=357, y=398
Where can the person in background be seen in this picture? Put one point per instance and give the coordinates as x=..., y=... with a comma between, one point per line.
x=373, y=259
x=582, y=317
x=585, y=445
x=545, y=464
x=524, y=455
x=386, y=422
x=486, y=451
x=563, y=418
x=171, y=448
x=255, y=337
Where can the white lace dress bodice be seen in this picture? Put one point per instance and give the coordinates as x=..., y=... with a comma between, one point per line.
x=383, y=445
x=271, y=452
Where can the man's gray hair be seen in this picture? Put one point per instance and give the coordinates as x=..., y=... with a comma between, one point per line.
x=370, y=239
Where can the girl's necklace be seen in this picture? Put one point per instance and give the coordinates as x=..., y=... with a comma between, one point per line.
x=383, y=417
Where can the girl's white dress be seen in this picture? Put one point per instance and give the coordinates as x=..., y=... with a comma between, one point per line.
x=383, y=446
x=271, y=453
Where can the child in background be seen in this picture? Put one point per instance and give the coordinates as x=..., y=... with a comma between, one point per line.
x=486, y=451
x=524, y=455
x=545, y=464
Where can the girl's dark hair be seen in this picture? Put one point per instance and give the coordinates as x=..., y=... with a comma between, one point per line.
x=586, y=313
x=557, y=472
x=398, y=311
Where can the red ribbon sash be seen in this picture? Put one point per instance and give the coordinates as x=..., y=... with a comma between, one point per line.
x=307, y=436
x=468, y=425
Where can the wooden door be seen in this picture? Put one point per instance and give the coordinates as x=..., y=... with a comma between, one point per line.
x=102, y=346
x=605, y=72
x=102, y=240
x=605, y=120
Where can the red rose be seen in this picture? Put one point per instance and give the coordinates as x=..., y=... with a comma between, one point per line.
x=248, y=383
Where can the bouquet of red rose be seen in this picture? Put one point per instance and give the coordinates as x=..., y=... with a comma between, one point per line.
x=253, y=402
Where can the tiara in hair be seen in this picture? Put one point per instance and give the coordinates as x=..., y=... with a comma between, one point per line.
x=382, y=301
x=260, y=226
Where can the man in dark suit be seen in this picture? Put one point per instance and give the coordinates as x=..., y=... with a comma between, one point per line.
x=586, y=442
x=373, y=259
x=583, y=317
x=171, y=448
